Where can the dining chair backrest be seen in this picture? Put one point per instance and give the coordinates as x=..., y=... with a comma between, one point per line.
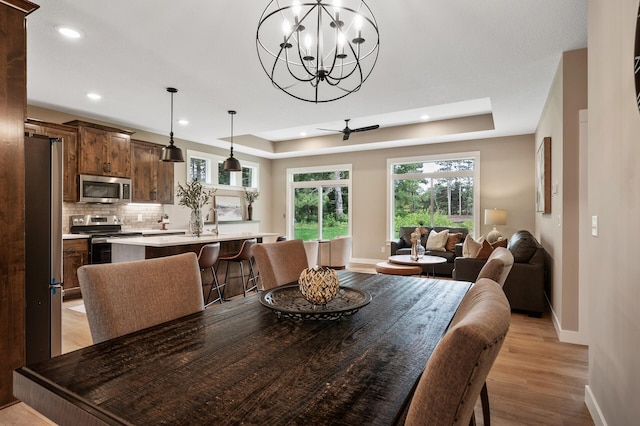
x=280, y=263
x=121, y=298
x=340, y=251
x=456, y=372
x=498, y=266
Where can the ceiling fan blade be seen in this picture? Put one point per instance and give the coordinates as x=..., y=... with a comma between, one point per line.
x=329, y=130
x=364, y=129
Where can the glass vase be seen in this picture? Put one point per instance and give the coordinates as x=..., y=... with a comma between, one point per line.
x=196, y=222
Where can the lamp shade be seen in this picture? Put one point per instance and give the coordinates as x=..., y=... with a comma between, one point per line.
x=495, y=217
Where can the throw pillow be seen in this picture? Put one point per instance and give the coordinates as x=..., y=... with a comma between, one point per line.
x=453, y=240
x=499, y=243
x=471, y=247
x=485, y=250
x=437, y=240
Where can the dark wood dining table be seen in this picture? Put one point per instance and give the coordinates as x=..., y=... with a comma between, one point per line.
x=238, y=363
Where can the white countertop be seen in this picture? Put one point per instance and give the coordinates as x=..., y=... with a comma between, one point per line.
x=179, y=240
x=75, y=236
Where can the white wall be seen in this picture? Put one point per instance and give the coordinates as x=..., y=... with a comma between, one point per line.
x=613, y=269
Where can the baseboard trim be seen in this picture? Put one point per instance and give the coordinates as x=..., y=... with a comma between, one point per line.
x=593, y=407
x=566, y=336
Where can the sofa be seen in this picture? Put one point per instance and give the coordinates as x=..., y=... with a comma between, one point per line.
x=525, y=283
x=403, y=246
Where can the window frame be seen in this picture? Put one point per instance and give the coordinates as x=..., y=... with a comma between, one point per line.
x=212, y=171
x=429, y=158
x=291, y=187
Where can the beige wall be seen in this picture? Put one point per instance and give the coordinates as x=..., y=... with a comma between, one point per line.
x=558, y=231
x=507, y=167
x=613, y=269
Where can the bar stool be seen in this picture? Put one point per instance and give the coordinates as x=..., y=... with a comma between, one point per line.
x=240, y=257
x=207, y=258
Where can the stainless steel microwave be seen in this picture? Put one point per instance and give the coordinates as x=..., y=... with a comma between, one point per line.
x=104, y=189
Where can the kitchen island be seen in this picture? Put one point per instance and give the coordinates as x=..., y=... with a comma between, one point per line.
x=139, y=248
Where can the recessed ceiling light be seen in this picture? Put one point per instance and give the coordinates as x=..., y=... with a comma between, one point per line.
x=424, y=117
x=69, y=32
x=303, y=133
x=94, y=96
x=183, y=122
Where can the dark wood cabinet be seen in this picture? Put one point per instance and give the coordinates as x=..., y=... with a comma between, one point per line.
x=102, y=150
x=152, y=179
x=13, y=104
x=69, y=135
x=75, y=254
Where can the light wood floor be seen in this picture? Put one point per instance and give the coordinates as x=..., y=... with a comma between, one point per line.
x=535, y=380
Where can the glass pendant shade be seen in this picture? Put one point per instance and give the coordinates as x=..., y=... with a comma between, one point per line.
x=231, y=164
x=171, y=153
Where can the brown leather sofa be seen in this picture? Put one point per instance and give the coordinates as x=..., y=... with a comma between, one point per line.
x=525, y=284
x=403, y=246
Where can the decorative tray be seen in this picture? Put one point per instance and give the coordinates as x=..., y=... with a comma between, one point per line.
x=287, y=301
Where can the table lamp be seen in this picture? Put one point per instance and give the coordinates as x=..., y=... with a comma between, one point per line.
x=494, y=217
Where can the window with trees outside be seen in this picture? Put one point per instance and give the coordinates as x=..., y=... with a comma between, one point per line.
x=318, y=202
x=434, y=190
x=207, y=168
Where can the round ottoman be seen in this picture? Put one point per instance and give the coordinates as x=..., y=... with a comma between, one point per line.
x=397, y=269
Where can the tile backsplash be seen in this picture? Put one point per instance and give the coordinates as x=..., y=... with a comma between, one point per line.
x=150, y=214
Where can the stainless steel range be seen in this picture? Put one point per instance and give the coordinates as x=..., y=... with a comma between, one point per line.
x=100, y=228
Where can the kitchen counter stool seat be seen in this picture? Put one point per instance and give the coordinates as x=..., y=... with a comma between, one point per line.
x=207, y=258
x=245, y=254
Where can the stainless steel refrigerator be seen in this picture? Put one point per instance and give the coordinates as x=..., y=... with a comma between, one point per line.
x=43, y=246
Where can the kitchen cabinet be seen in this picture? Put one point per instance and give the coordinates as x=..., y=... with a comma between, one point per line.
x=103, y=150
x=69, y=136
x=75, y=253
x=152, y=179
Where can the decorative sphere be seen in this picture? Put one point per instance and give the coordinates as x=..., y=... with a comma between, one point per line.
x=319, y=285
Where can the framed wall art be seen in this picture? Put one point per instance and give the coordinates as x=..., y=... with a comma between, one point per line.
x=543, y=176
x=228, y=207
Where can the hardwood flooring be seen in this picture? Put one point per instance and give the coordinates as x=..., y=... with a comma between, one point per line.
x=536, y=380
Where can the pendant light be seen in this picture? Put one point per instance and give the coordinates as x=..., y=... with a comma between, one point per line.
x=171, y=153
x=231, y=164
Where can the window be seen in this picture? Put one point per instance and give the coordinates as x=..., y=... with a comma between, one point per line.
x=318, y=202
x=436, y=190
x=207, y=168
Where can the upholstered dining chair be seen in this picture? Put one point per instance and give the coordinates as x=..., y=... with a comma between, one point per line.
x=280, y=263
x=454, y=375
x=121, y=298
x=497, y=269
x=498, y=266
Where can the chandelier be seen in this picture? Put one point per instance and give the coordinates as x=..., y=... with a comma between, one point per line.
x=320, y=50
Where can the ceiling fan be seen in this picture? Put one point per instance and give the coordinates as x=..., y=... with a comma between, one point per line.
x=346, y=132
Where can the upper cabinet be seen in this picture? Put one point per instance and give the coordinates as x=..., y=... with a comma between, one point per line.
x=69, y=136
x=152, y=179
x=102, y=150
